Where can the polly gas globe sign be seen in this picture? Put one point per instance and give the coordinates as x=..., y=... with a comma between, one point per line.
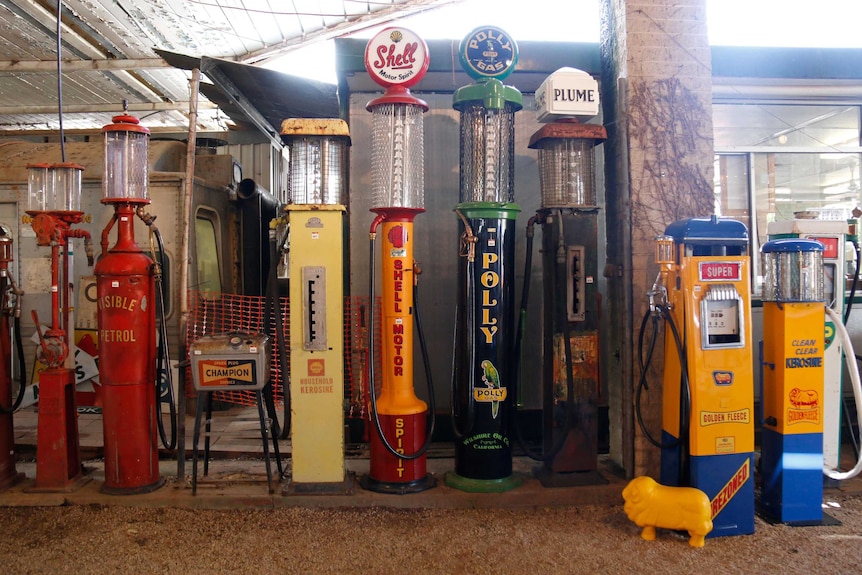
x=396, y=57
x=488, y=52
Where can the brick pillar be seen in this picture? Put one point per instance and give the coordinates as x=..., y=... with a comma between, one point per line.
x=657, y=96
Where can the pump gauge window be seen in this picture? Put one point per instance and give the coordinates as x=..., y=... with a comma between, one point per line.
x=721, y=323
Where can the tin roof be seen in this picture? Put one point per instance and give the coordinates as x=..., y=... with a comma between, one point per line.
x=143, y=51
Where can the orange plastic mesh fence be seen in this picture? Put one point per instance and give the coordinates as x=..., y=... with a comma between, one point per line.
x=253, y=314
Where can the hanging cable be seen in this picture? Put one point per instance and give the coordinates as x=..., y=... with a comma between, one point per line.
x=60, y=78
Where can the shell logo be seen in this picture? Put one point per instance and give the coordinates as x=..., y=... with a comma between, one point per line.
x=316, y=367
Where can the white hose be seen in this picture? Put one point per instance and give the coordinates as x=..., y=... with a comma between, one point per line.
x=853, y=368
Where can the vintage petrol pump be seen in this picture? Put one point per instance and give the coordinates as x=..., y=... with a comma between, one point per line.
x=833, y=235
x=569, y=219
x=315, y=220
x=792, y=369
x=54, y=206
x=484, y=321
x=126, y=294
x=708, y=386
x=396, y=58
x=10, y=305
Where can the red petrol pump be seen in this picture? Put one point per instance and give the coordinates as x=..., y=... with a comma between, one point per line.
x=10, y=305
x=125, y=290
x=703, y=294
x=396, y=58
x=54, y=206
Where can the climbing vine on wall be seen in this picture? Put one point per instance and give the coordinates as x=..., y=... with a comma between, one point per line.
x=670, y=152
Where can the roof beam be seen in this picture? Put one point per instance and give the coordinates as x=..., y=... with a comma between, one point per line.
x=80, y=65
x=109, y=107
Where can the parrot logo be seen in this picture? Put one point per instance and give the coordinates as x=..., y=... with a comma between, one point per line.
x=494, y=393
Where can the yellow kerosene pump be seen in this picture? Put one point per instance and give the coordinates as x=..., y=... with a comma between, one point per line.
x=315, y=216
x=703, y=294
x=792, y=364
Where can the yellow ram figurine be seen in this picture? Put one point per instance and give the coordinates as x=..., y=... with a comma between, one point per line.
x=650, y=505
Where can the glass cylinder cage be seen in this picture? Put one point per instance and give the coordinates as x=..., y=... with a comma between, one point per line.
x=398, y=156
x=487, y=153
x=793, y=271
x=67, y=186
x=566, y=172
x=40, y=187
x=126, y=170
x=318, y=167
x=54, y=187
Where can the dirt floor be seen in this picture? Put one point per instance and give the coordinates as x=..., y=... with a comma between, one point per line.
x=585, y=539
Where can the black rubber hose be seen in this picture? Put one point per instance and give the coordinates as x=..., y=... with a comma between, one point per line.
x=685, y=392
x=469, y=316
x=519, y=337
x=163, y=361
x=423, y=347
x=22, y=376
x=22, y=366
x=273, y=304
x=854, y=284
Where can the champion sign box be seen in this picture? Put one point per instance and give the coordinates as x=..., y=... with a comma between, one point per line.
x=567, y=93
x=233, y=361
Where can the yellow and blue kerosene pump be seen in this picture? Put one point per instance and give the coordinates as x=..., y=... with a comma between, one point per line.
x=792, y=375
x=835, y=235
x=703, y=294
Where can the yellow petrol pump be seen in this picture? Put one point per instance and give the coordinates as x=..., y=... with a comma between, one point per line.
x=315, y=216
x=708, y=391
x=792, y=363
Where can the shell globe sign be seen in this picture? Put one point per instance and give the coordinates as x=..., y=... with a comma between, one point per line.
x=396, y=57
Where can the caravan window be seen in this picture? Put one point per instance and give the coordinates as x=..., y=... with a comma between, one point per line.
x=206, y=254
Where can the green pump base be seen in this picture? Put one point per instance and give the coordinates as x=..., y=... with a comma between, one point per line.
x=482, y=485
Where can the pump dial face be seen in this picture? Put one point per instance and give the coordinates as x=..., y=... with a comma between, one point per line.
x=488, y=52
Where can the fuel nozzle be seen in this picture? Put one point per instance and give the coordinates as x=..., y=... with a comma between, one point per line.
x=664, y=257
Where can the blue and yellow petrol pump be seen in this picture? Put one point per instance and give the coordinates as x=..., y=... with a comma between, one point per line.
x=791, y=462
x=707, y=438
x=834, y=235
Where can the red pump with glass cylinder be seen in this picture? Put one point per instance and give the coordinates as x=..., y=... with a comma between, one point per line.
x=10, y=305
x=125, y=288
x=54, y=206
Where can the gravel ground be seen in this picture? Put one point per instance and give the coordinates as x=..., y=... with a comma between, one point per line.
x=82, y=540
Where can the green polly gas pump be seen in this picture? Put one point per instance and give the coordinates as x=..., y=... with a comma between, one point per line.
x=483, y=375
